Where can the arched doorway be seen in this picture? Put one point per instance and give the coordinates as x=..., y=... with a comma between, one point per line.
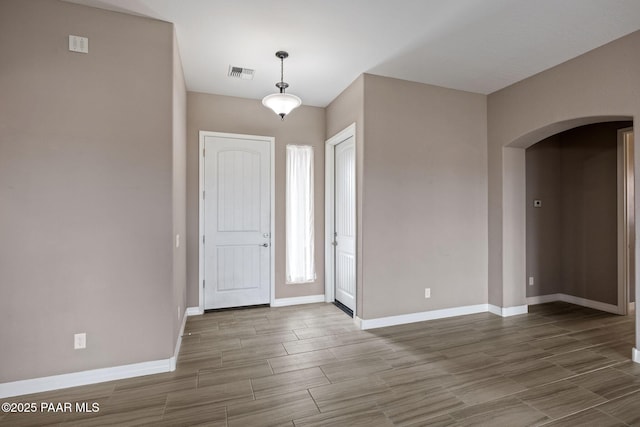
x=577, y=234
x=512, y=227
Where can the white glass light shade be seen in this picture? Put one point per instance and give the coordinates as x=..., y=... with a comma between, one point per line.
x=281, y=103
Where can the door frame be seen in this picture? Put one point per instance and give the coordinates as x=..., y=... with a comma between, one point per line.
x=272, y=179
x=625, y=150
x=329, y=220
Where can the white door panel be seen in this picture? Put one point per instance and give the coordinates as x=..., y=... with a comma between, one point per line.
x=236, y=222
x=345, y=223
x=238, y=190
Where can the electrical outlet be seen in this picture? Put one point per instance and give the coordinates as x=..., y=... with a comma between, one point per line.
x=530, y=280
x=80, y=341
x=427, y=292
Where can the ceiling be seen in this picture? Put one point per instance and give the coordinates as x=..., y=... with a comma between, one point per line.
x=474, y=45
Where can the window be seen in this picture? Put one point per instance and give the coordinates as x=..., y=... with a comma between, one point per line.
x=300, y=263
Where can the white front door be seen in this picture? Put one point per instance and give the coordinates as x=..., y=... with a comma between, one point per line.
x=236, y=216
x=345, y=223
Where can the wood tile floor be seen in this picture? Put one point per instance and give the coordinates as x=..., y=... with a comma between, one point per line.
x=559, y=365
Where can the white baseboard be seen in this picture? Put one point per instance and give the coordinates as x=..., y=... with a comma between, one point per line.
x=597, y=305
x=311, y=299
x=610, y=308
x=543, y=299
x=635, y=355
x=194, y=311
x=174, y=359
x=631, y=308
x=55, y=382
x=422, y=316
x=357, y=321
x=508, y=311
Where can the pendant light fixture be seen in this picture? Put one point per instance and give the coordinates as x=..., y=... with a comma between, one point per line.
x=281, y=103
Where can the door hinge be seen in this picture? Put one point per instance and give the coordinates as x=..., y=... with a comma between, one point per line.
x=203, y=240
x=203, y=283
x=203, y=195
x=203, y=152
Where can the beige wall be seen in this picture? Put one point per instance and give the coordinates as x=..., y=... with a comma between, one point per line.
x=85, y=189
x=544, y=225
x=572, y=240
x=600, y=85
x=179, y=191
x=304, y=126
x=92, y=183
x=513, y=194
x=590, y=246
x=346, y=109
x=425, y=198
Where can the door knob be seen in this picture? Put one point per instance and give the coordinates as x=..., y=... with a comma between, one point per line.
x=266, y=245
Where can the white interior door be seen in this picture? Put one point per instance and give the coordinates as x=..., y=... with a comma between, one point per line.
x=236, y=215
x=345, y=223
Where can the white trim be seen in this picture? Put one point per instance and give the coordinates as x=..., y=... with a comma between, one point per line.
x=590, y=303
x=200, y=221
x=310, y=299
x=635, y=355
x=329, y=275
x=272, y=215
x=515, y=310
x=329, y=196
x=597, y=305
x=37, y=385
x=422, y=316
x=194, y=311
x=55, y=382
x=543, y=299
x=621, y=156
x=631, y=308
x=508, y=311
x=624, y=222
x=494, y=309
x=174, y=359
x=272, y=246
x=357, y=321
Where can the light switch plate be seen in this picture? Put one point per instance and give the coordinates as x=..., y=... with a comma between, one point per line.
x=78, y=44
x=80, y=341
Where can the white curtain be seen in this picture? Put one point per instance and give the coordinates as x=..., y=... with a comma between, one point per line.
x=299, y=215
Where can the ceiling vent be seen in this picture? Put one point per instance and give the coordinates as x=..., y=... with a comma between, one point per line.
x=241, y=73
